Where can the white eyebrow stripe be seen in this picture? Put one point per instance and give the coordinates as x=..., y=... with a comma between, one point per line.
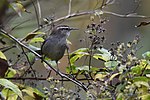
x=63, y=27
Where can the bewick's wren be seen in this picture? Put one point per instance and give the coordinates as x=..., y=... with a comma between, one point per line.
x=55, y=45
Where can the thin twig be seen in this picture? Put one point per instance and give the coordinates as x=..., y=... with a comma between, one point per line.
x=42, y=78
x=30, y=65
x=36, y=12
x=102, y=5
x=69, y=10
x=39, y=10
x=19, y=24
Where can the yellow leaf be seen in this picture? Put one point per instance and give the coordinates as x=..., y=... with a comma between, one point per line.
x=113, y=76
x=2, y=56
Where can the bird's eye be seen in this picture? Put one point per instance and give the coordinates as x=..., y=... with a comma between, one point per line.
x=65, y=28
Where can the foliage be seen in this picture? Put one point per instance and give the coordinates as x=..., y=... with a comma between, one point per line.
x=121, y=75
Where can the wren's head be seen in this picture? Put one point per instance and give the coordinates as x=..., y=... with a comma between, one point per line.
x=62, y=30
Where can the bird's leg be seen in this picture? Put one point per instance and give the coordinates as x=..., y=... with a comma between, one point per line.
x=57, y=67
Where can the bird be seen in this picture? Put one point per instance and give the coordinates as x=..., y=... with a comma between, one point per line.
x=55, y=45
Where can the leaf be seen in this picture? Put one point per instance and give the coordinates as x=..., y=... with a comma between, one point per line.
x=74, y=56
x=83, y=68
x=2, y=56
x=71, y=69
x=8, y=84
x=142, y=83
x=146, y=55
x=31, y=58
x=79, y=51
x=100, y=76
x=34, y=93
x=103, y=57
x=145, y=96
x=11, y=73
x=18, y=7
x=38, y=39
x=30, y=36
x=94, y=69
x=120, y=87
x=141, y=80
x=136, y=69
x=10, y=95
x=148, y=75
x=111, y=64
x=103, y=54
x=120, y=96
x=113, y=76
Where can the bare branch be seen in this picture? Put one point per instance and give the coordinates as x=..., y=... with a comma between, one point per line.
x=132, y=15
x=69, y=10
x=36, y=12
x=43, y=78
x=39, y=9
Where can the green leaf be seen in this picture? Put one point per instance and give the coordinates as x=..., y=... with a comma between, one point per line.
x=94, y=69
x=8, y=84
x=136, y=69
x=38, y=39
x=18, y=7
x=33, y=92
x=79, y=51
x=142, y=83
x=103, y=57
x=111, y=64
x=52, y=63
x=30, y=36
x=74, y=56
x=141, y=80
x=83, y=68
x=10, y=95
x=103, y=54
x=71, y=69
x=120, y=87
x=146, y=55
x=100, y=76
x=11, y=72
x=120, y=96
x=2, y=56
x=145, y=97
x=103, y=51
x=31, y=58
x=113, y=76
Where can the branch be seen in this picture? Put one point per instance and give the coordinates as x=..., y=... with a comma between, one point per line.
x=69, y=10
x=42, y=78
x=84, y=13
x=40, y=57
